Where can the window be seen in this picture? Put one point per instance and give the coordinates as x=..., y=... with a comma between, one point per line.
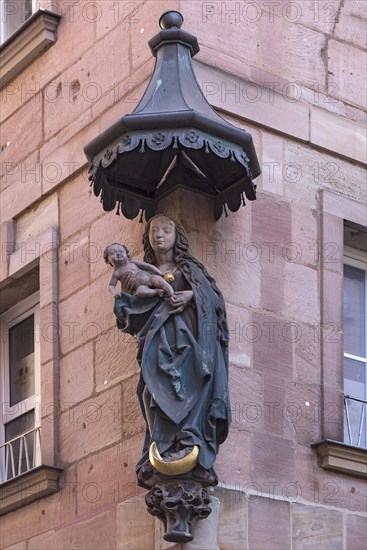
x=13, y=14
x=355, y=388
x=343, y=223
x=20, y=389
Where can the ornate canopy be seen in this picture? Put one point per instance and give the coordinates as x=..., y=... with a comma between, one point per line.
x=172, y=139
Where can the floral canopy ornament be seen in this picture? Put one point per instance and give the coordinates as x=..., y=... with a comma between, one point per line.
x=172, y=139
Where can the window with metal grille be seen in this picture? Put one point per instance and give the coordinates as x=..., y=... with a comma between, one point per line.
x=20, y=389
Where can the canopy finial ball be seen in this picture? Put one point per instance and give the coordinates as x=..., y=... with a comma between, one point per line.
x=171, y=19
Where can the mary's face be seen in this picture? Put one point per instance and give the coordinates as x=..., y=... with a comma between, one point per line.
x=162, y=234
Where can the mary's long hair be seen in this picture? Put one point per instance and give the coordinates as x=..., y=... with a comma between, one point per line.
x=185, y=261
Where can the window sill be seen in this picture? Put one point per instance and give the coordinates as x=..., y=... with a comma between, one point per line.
x=340, y=457
x=28, y=487
x=27, y=43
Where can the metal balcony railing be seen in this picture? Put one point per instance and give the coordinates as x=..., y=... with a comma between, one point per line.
x=20, y=454
x=355, y=421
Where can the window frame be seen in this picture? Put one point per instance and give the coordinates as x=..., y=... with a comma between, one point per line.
x=3, y=26
x=357, y=258
x=10, y=318
x=333, y=453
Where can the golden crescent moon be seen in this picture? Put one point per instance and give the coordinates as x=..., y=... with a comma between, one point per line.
x=175, y=467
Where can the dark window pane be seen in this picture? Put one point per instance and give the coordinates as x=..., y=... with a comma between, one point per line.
x=355, y=378
x=354, y=311
x=21, y=360
x=12, y=429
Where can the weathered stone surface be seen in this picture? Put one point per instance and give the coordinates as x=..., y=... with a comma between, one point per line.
x=232, y=519
x=48, y=323
x=321, y=16
x=111, y=14
x=307, y=353
x=84, y=82
x=135, y=527
x=233, y=464
x=273, y=459
x=271, y=40
x=76, y=376
x=67, y=158
x=28, y=121
x=272, y=163
x=268, y=524
x=64, y=52
x=356, y=532
x=332, y=299
x=15, y=198
x=274, y=403
x=253, y=102
x=347, y=67
x=115, y=358
x=77, y=203
x=271, y=224
x=306, y=171
x=271, y=283
x=7, y=239
x=27, y=169
x=333, y=411
x=227, y=261
x=206, y=21
x=88, y=427
x=272, y=345
x=93, y=533
x=331, y=253
x=338, y=134
x=132, y=418
x=348, y=208
x=301, y=296
x=35, y=223
x=245, y=389
x=239, y=346
x=302, y=413
x=351, y=24
x=108, y=477
x=314, y=527
x=303, y=57
x=304, y=236
x=45, y=514
x=84, y=316
x=74, y=264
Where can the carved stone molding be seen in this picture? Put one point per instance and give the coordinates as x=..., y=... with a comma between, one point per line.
x=340, y=457
x=26, y=488
x=27, y=43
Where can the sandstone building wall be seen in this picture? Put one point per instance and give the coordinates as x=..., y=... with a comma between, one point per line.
x=293, y=75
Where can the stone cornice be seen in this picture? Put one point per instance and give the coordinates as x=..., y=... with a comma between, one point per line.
x=27, y=43
x=340, y=457
x=30, y=486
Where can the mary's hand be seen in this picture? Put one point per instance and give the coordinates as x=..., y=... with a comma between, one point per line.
x=179, y=300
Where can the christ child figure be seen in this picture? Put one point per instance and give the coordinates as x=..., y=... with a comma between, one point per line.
x=135, y=276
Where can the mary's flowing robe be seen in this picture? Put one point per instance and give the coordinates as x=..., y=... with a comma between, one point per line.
x=183, y=389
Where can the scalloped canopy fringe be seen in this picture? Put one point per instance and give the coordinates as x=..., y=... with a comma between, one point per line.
x=141, y=168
